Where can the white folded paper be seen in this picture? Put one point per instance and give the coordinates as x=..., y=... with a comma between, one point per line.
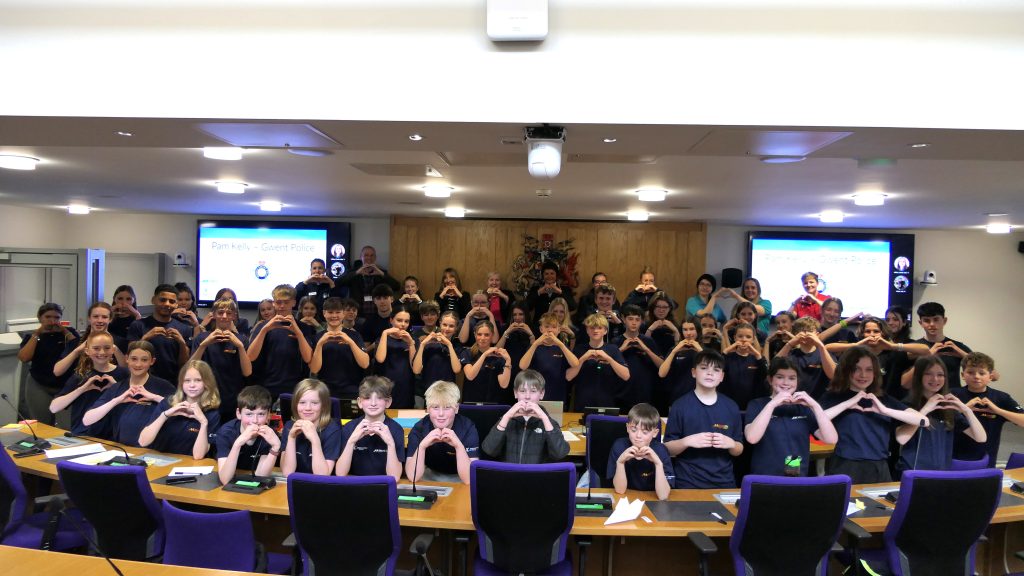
x=74, y=451
x=625, y=511
x=569, y=436
x=190, y=470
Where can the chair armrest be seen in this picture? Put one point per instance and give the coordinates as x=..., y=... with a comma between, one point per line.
x=703, y=544
x=421, y=544
x=40, y=504
x=289, y=542
x=854, y=530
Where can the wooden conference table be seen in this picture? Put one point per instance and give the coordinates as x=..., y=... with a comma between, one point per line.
x=40, y=563
x=453, y=512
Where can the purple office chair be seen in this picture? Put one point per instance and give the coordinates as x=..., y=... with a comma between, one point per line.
x=784, y=525
x=119, y=503
x=1016, y=460
x=522, y=535
x=221, y=541
x=20, y=528
x=939, y=517
x=602, y=432
x=483, y=417
x=969, y=464
x=367, y=541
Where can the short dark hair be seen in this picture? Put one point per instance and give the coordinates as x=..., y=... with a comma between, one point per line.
x=709, y=278
x=645, y=416
x=928, y=309
x=632, y=310
x=50, y=307
x=382, y=290
x=254, y=398
x=333, y=303
x=161, y=288
x=710, y=357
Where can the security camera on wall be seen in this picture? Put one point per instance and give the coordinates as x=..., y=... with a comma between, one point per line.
x=544, y=150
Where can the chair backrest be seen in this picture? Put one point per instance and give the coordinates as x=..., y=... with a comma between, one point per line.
x=13, y=496
x=527, y=533
x=1016, y=460
x=221, y=541
x=483, y=417
x=602, y=432
x=788, y=525
x=286, y=407
x=366, y=541
x=938, y=519
x=119, y=503
x=969, y=464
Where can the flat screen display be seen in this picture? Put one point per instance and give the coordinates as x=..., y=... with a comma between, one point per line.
x=252, y=257
x=869, y=272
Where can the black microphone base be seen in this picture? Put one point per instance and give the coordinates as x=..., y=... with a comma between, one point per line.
x=421, y=499
x=122, y=461
x=250, y=484
x=29, y=445
x=593, y=505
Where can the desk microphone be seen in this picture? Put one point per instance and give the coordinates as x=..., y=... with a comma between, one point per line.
x=251, y=483
x=920, y=439
x=26, y=446
x=58, y=511
x=415, y=496
x=125, y=460
x=590, y=505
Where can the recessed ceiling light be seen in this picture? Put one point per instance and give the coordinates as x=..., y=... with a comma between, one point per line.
x=16, y=162
x=78, y=209
x=782, y=159
x=637, y=215
x=222, y=153
x=437, y=190
x=310, y=152
x=873, y=198
x=455, y=212
x=651, y=194
x=610, y=140
x=270, y=206
x=415, y=137
x=831, y=216
x=123, y=133
x=231, y=187
x=919, y=145
x=998, y=228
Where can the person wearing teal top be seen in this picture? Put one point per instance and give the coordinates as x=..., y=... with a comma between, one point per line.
x=706, y=299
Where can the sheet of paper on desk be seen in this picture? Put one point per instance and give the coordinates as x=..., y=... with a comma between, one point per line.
x=159, y=459
x=569, y=436
x=98, y=457
x=74, y=451
x=190, y=470
x=879, y=491
x=728, y=497
x=625, y=511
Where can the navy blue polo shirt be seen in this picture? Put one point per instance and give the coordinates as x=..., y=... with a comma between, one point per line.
x=931, y=448
x=643, y=372
x=249, y=454
x=370, y=454
x=178, y=434
x=663, y=337
x=516, y=344
x=640, y=473
x=398, y=368
x=951, y=360
x=373, y=327
x=964, y=448
x=87, y=399
x=596, y=383
x=339, y=369
x=862, y=435
x=437, y=364
x=811, y=376
x=440, y=456
x=330, y=443
x=787, y=435
x=485, y=387
x=167, y=348
x=282, y=363
x=127, y=420
x=550, y=361
x=745, y=379
x=223, y=358
x=680, y=381
x=704, y=467
x=51, y=347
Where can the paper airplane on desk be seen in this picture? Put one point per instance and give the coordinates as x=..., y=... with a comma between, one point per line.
x=625, y=511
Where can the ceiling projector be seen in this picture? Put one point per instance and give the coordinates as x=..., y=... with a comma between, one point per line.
x=544, y=150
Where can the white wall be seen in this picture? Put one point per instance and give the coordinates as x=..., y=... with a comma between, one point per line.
x=981, y=281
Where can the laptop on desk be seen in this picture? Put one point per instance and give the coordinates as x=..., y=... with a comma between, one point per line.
x=555, y=410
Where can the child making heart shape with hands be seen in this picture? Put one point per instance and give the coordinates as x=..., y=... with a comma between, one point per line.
x=777, y=427
x=394, y=355
x=639, y=461
x=489, y=370
x=186, y=419
x=525, y=434
x=312, y=439
x=442, y=444
x=94, y=374
x=374, y=444
x=248, y=443
x=126, y=408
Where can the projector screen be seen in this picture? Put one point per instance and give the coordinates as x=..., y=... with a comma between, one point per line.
x=252, y=257
x=868, y=272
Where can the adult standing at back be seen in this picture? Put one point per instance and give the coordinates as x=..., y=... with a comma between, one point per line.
x=706, y=299
x=361, y=281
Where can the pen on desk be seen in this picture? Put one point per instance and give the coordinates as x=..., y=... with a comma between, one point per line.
x=718, y=517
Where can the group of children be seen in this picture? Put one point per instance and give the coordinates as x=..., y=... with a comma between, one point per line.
x=723, y=385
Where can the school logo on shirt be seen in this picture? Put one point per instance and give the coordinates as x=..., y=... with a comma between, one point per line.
x=193, y=429
x=720, y=426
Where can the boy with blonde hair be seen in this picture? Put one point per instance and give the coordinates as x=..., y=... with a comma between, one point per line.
x=442, y=444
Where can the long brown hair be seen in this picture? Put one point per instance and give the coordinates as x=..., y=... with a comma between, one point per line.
x=916, y=398
x=848, y=363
